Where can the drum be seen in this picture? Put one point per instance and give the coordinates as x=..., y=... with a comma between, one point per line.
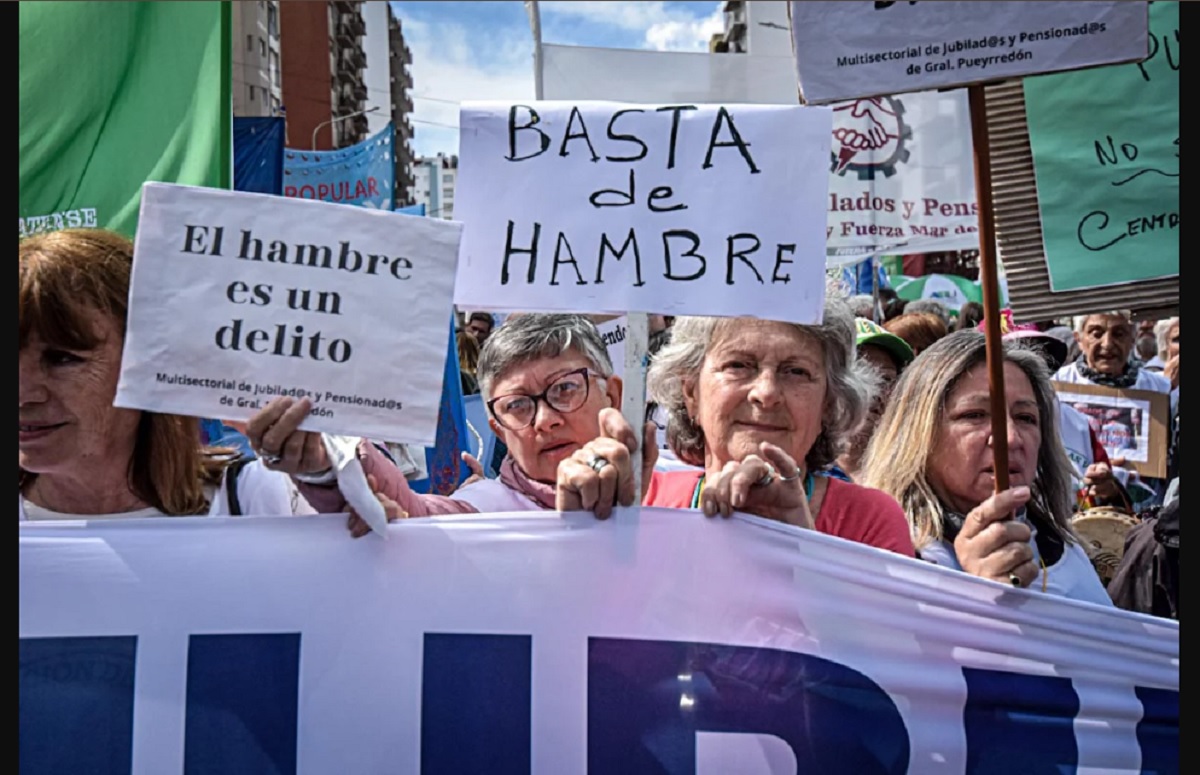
x=1103, y=530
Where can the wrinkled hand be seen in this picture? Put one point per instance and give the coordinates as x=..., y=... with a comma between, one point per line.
x=991, y=545
x=738, y=487
x=579, y=487
x=1100, y=482
x=1171, y=371
x=358, y=526
x=272, y=431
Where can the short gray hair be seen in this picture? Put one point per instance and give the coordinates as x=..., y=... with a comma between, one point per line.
x=1081, y=320
x=850, y=384
x=1162, y=333
x=531, y=336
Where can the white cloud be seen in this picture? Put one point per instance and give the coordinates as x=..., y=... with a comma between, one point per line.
x=691, y=35
x=664, y=28
x=454, y=65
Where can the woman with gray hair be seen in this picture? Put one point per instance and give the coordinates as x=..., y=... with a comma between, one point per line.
x=545, y=379
x=761, y=408
x=932, y=452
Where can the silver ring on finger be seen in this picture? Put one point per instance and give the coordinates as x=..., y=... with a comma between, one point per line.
x=795, y=475
x=1014, y=579
x=768, y=477
x=270, y=458
x=597, y=462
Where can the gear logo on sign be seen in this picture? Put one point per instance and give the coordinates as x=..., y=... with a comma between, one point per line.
x=869, y=137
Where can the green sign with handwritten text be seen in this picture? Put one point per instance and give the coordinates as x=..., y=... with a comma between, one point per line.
x=1106, y=156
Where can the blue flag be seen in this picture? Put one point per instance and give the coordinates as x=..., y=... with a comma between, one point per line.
x=443, y=461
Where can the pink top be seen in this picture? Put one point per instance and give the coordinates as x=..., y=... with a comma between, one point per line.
x=848, y=511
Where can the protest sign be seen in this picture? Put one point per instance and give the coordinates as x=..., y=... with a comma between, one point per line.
x=901, y=174
x=1130, y=424
x=614, y=332
x=853, y=49
x=611, y=208
x=237, y=298
x=1106, y=156
x=362, y=174
x=536, y=643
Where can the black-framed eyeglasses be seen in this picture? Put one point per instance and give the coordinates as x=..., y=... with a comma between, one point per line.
x=565, y=394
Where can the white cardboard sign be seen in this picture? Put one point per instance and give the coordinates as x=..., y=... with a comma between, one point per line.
x=850, y=48
x=607, y=207
x=237, y=298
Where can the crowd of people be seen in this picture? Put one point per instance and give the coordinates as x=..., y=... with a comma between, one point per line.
x=875, y=430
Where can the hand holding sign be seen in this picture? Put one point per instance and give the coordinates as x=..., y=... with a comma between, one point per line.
x=994, y=546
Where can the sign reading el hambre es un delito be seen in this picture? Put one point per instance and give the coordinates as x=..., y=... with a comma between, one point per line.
x=238, y=298
x=607, y=207
x=850, y=48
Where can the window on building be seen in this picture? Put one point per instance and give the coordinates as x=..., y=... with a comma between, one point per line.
x=249, y=42
x=251, y=88
x=275, y=79
x=447, y=191
x=262, y=47
x=272, y=23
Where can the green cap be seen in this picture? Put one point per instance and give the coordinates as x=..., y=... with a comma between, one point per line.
x=867, y=332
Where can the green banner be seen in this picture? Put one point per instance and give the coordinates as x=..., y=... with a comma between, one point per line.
x=114, y=94
x=1106, y=156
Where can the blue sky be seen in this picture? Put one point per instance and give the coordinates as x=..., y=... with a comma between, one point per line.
x=484, y=50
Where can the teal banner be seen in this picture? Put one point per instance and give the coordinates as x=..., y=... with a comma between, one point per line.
x=1106, y=156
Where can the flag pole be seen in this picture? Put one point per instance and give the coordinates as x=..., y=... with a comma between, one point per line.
x=989, y=282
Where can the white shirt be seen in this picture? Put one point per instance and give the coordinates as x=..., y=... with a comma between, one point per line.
x=1073, y=576
x=261, y=492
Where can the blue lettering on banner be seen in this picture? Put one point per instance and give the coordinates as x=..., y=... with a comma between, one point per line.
x=646, y=702
x=1158, y=731
x=648, y=699
x=1019, y=723
x=242, y=702
x=76, y=705
x=476, y=704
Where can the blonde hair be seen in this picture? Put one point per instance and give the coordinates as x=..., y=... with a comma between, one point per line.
x=897, y=458
x=65, y=277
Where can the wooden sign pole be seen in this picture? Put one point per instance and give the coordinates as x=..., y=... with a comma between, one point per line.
x=990, y=282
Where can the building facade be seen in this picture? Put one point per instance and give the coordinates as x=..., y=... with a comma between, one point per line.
x=434, y=179
x=324, y=93
x=401, y=84
x=757, y=27
x=257, y=77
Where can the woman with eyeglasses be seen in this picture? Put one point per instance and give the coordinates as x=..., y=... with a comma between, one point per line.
x=545, y=379
x=761, y=409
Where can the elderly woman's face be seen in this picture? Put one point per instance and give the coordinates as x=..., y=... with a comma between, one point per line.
x=760, y=381
x=553, y=434
x=67, y=421
x=1106, y=342
x=1173, y=341
x=960, y=467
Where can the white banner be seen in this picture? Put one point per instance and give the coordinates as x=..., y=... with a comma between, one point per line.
x=847, y=49
x=532, y=643
x=237, y=298
x=675, y=209
x=901, y=173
